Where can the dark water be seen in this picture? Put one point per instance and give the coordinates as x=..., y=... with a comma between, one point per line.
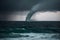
x=34, y=30
x=33, y=26
x=34, y=36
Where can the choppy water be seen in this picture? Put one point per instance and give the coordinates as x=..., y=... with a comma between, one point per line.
x=35, y=36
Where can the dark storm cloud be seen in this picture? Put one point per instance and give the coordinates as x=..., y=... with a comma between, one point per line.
x=13, y=5
x=47, y=5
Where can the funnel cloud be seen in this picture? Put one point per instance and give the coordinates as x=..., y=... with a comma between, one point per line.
x=48, y=5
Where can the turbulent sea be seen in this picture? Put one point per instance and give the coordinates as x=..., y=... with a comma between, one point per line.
x=34, y=36
x=22, y=30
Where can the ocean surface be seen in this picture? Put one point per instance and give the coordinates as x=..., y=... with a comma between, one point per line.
x=34, y=36
x=22, y=30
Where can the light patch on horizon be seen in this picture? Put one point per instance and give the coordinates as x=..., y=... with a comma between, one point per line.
x=16, y=18
x=38, y=16
x=46, y=16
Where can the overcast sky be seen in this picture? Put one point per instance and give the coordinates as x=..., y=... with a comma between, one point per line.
x=17, y=10
x=21, y=5
x=38, y=16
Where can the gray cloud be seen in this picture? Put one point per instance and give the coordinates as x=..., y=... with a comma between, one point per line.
x=48, y=5
x=20, y=5
x=38, y=16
